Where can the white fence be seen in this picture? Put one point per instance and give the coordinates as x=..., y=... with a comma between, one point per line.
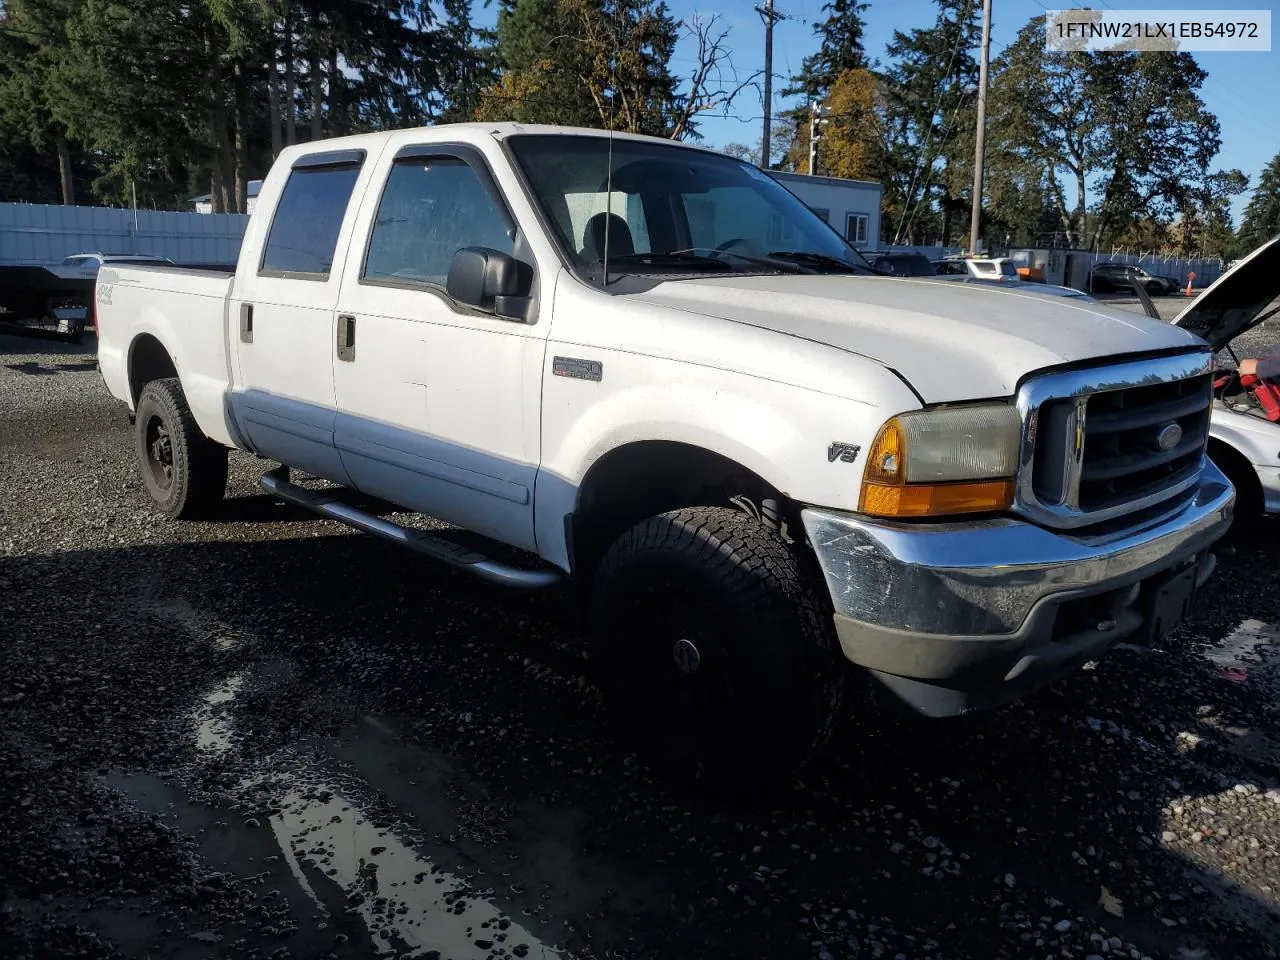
x=39, y=234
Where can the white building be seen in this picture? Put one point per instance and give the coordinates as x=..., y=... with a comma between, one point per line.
x=852, y=207
x=204, y=202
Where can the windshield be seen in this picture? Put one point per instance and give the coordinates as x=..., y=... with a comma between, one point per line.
x=670, y=209
x=1008, y=269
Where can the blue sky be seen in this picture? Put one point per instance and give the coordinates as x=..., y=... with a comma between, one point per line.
x=1240, y=88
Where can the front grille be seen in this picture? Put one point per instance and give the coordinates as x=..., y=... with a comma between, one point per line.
x=1114, y=442
x=1123, y=460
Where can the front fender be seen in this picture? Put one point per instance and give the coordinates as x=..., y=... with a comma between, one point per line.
x=778, y=431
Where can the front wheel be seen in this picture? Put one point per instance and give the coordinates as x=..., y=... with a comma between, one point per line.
x=714, y=649
x=184, y=471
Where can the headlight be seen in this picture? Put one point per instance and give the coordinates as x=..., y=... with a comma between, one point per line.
x=930, y=463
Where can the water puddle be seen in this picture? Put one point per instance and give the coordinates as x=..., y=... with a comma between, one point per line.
x=1249, y=654
x=410, y=906
x=1249, y=648
x=343, y=860
x=214, y=732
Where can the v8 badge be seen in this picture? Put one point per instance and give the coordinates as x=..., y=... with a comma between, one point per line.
x=844, y=452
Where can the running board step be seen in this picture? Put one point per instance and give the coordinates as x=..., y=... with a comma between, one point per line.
x=276, y=482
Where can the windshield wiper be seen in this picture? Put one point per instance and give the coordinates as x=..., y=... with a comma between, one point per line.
x=676, y=259
x=720, y=260
x=816, y=260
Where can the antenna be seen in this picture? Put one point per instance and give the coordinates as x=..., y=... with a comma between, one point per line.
x=608, y=203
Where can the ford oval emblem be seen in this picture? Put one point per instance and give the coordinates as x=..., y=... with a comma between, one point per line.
x=1169, y=436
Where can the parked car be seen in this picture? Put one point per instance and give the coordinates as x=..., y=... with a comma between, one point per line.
x=1244, y=435
x=1027, y=289
x=88, y=264
x=1111, y=276
x=990, y=269
x=591, y=349
x=902, y=265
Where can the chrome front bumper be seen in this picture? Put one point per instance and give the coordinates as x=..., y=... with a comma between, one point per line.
x=962, y=616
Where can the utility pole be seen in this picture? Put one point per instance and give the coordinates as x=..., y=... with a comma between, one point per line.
x=979, y=155
x=817, y=118
x=770, y=17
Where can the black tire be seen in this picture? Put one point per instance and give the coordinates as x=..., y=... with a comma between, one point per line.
x=714, y=649
x=184, y=471
x=1250, y=503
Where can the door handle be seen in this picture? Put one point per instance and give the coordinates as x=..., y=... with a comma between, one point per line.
x=346, y=337
x=246, y=323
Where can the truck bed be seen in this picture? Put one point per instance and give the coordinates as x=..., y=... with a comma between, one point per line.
x=184, y=308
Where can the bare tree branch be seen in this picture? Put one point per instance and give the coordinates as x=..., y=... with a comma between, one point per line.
x=714, y=83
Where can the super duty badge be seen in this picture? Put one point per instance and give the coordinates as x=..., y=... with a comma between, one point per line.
x=577, y=369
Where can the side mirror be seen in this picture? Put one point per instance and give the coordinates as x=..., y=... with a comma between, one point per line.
x=490, y=280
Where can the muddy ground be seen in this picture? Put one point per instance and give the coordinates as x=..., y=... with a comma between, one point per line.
x=267, y=736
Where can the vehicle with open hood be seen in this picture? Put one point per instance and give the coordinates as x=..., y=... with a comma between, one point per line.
x=647, y=367
x=1245, y=430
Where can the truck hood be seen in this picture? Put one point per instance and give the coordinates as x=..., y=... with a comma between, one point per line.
x=1237, y=300
x=951, y=341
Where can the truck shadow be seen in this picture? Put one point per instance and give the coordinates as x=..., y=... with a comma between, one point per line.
x=969, y=833
x=265, y=508
x=36, y=369
x=17, y=340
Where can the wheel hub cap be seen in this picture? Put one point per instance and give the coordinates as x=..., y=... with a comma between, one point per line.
x=160, y=452
x=686, y=656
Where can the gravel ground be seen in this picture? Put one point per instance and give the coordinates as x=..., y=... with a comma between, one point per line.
x=267, y=736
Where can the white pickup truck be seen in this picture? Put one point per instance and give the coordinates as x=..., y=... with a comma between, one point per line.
x=655, y=371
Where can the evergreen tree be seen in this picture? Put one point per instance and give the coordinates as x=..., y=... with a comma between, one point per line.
x=180, y=96
x=32, y=49
x=586, y=63
x=929, y=93
x=840, y=49
x=1262, y=216
x=1127, y=132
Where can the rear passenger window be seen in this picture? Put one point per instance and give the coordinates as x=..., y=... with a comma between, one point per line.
x=308, y=218
x=430, y=209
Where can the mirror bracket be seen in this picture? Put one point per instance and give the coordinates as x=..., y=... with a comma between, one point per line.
x=513, y=308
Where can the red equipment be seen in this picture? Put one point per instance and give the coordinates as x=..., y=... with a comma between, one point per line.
x=1267, y=395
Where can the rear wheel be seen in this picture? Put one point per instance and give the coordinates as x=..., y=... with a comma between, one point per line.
x=184, y=471
x=713, y=647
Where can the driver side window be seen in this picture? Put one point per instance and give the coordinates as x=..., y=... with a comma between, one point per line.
x=430, y=209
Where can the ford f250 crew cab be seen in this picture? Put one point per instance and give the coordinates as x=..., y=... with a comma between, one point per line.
x=653, y=370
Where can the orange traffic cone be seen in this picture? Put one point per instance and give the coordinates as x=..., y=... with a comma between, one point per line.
x=1191, y=275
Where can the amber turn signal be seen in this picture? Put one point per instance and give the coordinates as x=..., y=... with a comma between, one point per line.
x=934, y=499
x=887, y=461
